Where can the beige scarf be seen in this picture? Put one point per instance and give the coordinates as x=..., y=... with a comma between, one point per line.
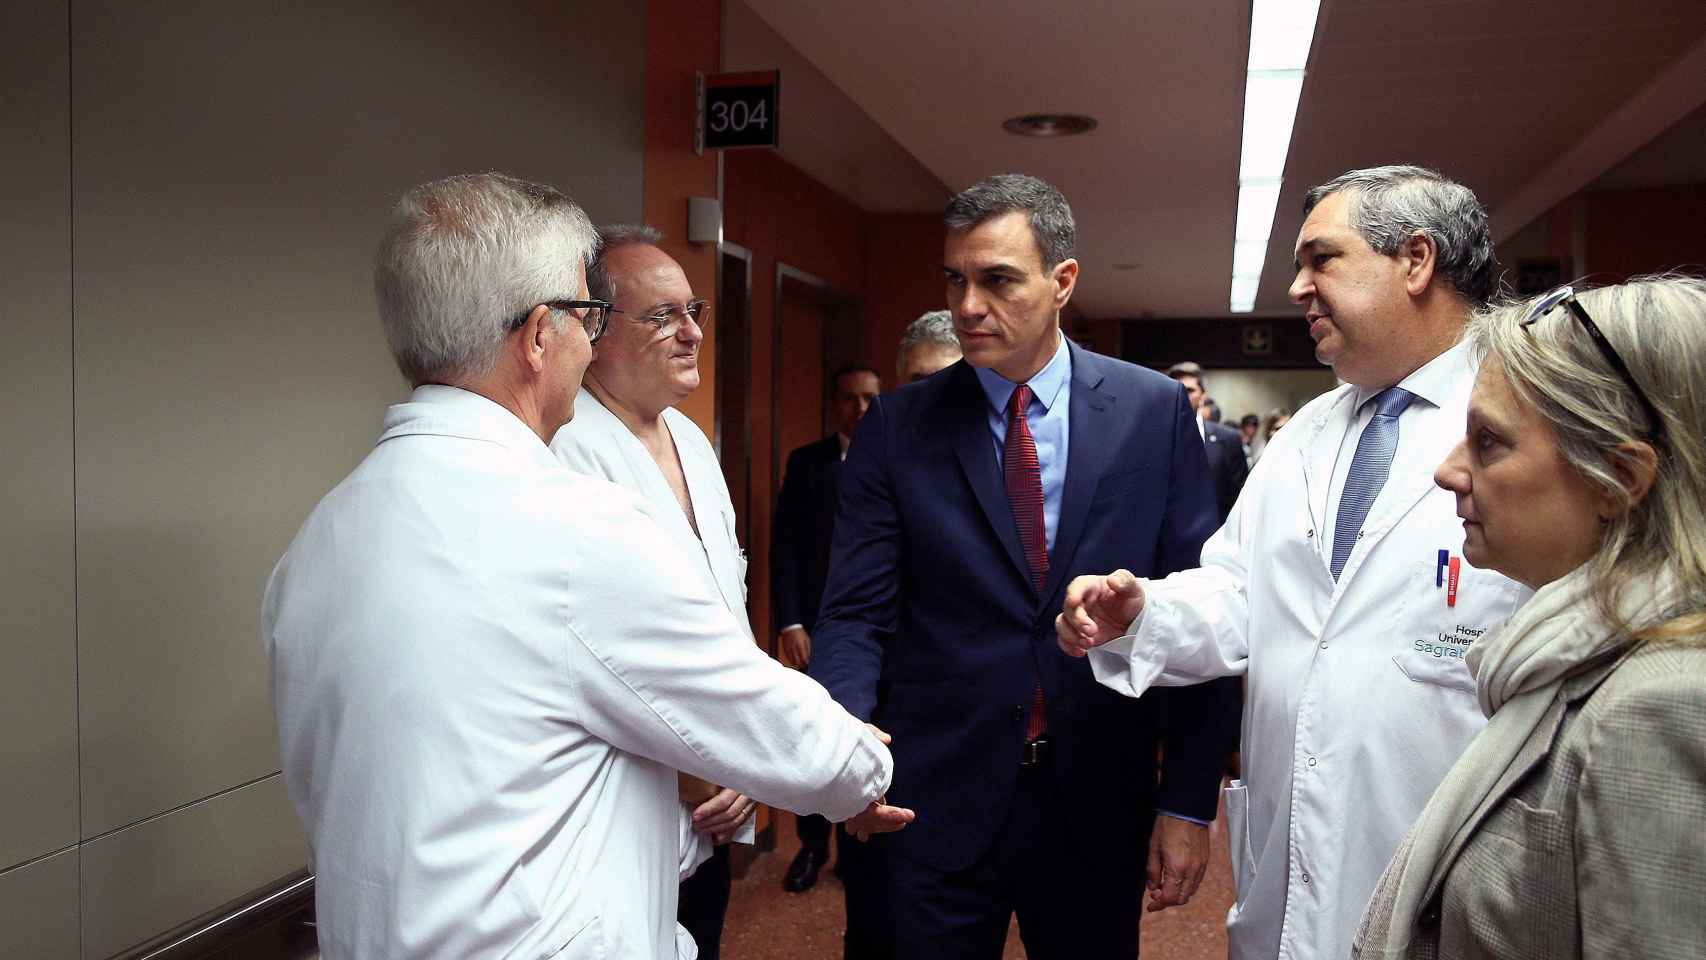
x=1518, y=669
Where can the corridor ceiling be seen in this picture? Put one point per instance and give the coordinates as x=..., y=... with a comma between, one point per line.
x=894, y=103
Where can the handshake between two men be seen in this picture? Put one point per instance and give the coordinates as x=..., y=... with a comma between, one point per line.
x=1097, y=609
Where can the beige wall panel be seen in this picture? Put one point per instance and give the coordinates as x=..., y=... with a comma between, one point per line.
x=234, y=164
x=1258, y=391
x=38, y=639
x=38, y=909
x=146, y=879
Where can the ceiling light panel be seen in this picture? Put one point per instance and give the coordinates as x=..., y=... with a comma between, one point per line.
x=1281, y=32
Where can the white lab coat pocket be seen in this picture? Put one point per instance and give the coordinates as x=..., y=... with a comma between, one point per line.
x=1441, y=625
x=1238, y=836
x=586, y=944
x=1435, y=663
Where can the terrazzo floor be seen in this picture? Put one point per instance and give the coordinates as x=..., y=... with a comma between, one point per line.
x=767, y=923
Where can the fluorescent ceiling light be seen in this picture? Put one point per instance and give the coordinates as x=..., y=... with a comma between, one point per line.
x=1247, y=257
x=1244, y=292
x=1270, y=109
x=1256, y=202
x=1281, y=32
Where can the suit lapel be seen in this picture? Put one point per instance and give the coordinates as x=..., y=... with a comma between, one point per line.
x=1317, y=454
x=975, y=447
x=1087, y=452
x=831, y=467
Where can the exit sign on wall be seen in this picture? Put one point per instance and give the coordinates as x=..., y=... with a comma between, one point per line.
x=739, y=109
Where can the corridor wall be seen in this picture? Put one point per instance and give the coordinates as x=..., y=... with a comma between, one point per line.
x=191, y=359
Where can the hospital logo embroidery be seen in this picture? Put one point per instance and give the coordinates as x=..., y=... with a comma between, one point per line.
x=1451, y=645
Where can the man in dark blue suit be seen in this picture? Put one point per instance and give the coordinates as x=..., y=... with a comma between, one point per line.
x=800, y=536
x=968, y=501
x=1226, y=464
x=1223, y=445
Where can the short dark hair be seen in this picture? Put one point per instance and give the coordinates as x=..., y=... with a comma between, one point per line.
x=847, y=371
x=1052, y=226
x=1249, y=420
x=600, y=285
x=1188, y=368
x=1389, y=205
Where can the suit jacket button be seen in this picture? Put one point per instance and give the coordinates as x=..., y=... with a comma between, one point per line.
x=1019, y=711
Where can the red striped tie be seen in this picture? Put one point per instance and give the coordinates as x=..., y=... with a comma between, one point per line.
x=1024, y=476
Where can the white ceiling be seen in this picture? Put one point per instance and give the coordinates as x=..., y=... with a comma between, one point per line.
x=895, y=102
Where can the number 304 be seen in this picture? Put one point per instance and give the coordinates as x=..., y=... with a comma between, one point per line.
x=738, y=115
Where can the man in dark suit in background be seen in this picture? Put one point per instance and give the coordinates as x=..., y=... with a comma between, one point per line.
x=799, y=562
x=1224, y=447
x=968, y=500
x=1222, y=444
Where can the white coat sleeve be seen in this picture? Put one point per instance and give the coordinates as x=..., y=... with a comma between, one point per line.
x=663, y=670
x=1195, y=624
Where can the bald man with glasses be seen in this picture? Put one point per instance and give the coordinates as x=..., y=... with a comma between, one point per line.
x=626, y=429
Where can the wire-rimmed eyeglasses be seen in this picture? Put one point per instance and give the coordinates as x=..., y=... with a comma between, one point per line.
x=668, y=320
x=594, y=315
x=1566, y=296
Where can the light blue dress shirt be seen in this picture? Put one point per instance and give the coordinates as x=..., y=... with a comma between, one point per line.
x=1048, y=413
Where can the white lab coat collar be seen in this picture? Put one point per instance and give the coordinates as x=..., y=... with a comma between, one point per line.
x=1432, y=381
x=588, y=443
x=438, y=410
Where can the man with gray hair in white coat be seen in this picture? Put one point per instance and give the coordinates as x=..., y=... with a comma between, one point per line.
x=487, y=668
x=1337, y=586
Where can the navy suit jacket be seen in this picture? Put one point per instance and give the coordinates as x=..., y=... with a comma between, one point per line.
x=929, y=600
x=1225, y=450
x=801, y=533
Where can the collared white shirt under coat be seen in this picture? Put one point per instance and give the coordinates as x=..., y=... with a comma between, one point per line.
x=1351, y=720
x=487, y=670
x=597, y=443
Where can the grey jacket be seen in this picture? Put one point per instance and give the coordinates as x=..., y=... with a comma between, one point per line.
x=1593, y=843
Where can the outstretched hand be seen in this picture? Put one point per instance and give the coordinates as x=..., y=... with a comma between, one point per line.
x=879, y=817
x=1098, y=609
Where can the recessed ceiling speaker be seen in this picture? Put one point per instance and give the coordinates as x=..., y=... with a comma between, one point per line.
x=1050, y=125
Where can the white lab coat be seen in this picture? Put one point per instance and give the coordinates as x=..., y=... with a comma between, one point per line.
x=487, y=669
x=596, y=442
x=1358, y=697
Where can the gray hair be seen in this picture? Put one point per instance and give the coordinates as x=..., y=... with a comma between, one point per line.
x=1051, y=219
x=599, y=283
x=1658, y=326
x=462, y=258
x=1389, y=205
x=935, y=327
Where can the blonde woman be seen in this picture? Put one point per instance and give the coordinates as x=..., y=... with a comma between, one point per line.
x=1575, y=824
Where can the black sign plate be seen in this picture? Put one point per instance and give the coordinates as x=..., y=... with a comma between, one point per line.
x=740, y=115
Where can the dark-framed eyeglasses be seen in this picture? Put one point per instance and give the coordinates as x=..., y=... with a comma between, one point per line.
x=1565, y=296
x=594, y=315
x=669, y=319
